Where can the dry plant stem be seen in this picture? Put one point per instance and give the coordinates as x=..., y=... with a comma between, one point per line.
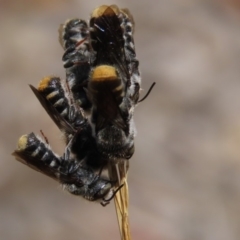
x=118, y=172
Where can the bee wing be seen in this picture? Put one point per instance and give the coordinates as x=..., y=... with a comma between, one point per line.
x=112, y=32
x=53, y=113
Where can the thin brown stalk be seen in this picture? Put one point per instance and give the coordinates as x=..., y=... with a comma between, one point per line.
x=118, y=172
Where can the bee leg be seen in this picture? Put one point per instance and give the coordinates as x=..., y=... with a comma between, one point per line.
x=72, y=113
x=100, y=171
x=44, y=136
x=67, y=152
x=104, y=204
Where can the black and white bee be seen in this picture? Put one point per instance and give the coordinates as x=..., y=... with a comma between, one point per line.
x=93, y=108
x=112, y=82
x=75, y=178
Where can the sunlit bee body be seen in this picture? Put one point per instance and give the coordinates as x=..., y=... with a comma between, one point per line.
x=112, y=89
x=75, y=178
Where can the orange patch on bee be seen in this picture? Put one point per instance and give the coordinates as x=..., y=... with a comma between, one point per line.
x=105, y=10
x=44, y=83
x=103, y=73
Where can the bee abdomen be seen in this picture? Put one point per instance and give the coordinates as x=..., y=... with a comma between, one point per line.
x=53, y=91
x=72, y=32
x=74, y=38
x=36, y=150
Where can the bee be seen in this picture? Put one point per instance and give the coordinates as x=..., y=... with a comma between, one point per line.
x=74, y=38
x=75, y=178
x=113, y=82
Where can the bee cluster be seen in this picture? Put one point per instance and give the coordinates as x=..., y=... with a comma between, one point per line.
x=93, y=107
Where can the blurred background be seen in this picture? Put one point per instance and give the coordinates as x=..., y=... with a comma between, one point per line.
x=184, y=178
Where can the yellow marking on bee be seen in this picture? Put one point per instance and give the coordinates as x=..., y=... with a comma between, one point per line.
x=118, y=88
x=52, y=94
x=22, y=143
x=44, y=83
x=98, y=12
x=103, y=73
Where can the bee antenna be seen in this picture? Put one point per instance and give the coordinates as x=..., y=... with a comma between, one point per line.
x=149, y=90
x=107, y=201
